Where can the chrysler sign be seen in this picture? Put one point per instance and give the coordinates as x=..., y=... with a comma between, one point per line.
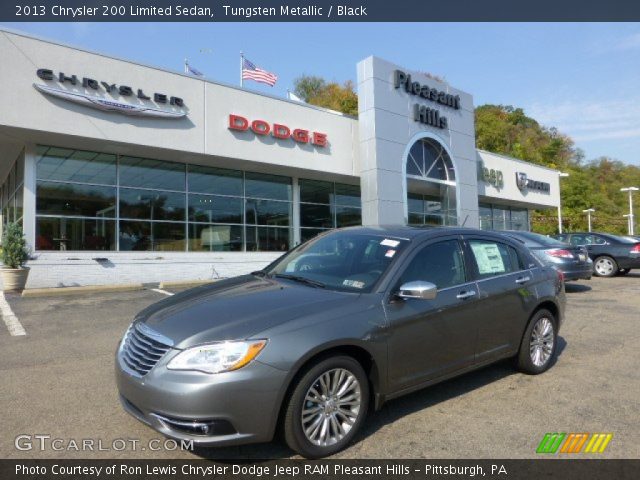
x=525, y=183
x=105, y=103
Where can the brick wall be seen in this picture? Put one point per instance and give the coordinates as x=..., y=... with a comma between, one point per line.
x=66, y=269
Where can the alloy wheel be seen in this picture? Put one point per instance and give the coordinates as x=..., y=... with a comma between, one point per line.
x=331, y=407
x=604, y=267
x=541, y=343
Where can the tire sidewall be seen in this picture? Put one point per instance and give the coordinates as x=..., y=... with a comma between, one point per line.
x=294, y=434
x=605, y=257
x=525, y=363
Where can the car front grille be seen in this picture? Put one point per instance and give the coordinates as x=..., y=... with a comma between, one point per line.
x=142, y=348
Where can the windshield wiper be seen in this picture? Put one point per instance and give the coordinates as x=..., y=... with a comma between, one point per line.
x=297, y=278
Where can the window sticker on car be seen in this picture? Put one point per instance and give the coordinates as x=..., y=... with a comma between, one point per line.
x=390, y=253
x=488, y=258
x=353, y=283
x=387, y=242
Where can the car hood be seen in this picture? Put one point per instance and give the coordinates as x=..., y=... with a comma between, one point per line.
x=236, y=309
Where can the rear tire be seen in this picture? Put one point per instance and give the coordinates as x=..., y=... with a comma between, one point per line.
x=327, y=407
x=605, y=266
x=538, y=346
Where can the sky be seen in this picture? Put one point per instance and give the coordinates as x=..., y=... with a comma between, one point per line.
x=582, y=78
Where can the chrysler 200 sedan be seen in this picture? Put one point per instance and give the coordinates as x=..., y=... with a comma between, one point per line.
x=332, y=330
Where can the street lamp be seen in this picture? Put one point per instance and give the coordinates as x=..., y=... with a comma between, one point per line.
x=560, y=175
x=588, y=211
x=630, y=190
x=628, y=217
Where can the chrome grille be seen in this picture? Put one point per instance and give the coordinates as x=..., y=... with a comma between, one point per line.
x=142, y=347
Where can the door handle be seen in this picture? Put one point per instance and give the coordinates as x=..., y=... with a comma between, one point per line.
x=466, y=294
x=523, y=279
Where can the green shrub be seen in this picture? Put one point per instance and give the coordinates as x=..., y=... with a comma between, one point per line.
x=14, y=246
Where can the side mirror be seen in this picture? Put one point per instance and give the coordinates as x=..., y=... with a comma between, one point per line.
x=418, y=289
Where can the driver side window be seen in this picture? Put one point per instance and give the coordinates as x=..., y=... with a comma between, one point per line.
x=439, y=263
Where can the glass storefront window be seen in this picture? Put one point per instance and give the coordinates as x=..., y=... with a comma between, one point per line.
x=501, y=218
x=215, y=209
x=76, y=166
x=348, y=195
x=148, y=173
x=327, y=205
x=267, y=212
x=260, y=185
x=486, y=217
x=263, y=239
x=61, y=233
x=214, y=180
x=315, y=191
x=348, y=216
x=215, y=238
x=498, y=217
x=73, y=199
x=316, y=216
x=152, y=236
x=152, y=205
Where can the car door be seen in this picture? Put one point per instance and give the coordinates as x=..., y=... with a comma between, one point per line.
x=505, y=293
x=431, y=338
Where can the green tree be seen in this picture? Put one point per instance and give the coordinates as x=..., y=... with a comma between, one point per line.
x=316, y=91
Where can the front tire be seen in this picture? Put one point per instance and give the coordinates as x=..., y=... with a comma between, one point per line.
x=605, y=266
x=327, y=407
x=538, y=346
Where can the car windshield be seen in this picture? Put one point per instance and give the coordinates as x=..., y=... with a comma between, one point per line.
x=344, y=260
x=624, y=239
x=531, y=239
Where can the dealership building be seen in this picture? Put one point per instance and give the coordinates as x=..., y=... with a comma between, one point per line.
x=125, y=173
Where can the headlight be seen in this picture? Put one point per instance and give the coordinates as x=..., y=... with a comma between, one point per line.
x=217, y=357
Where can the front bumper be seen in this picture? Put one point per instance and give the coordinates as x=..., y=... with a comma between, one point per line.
x=239, y=406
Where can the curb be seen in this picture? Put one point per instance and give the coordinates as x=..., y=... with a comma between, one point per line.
x=186, y=283
x=60, y=291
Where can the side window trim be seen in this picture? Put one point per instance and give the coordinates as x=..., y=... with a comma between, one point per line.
x=397, y=275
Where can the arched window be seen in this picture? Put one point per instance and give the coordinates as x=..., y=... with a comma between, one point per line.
x=429, y=160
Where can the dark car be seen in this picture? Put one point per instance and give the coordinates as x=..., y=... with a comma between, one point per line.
x=573, y=261
x=332, y=329
x=611, y=254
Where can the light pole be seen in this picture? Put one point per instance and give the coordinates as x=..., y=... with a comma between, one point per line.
x=628, y=217
x=630, y=190
x=560, y=175
x=588, y=211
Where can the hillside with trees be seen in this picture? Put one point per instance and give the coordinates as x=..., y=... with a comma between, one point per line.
x=508, y=130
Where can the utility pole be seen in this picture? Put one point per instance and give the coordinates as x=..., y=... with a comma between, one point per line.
x=560, y=175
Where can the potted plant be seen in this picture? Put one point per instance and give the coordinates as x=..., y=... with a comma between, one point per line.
x=14, y=255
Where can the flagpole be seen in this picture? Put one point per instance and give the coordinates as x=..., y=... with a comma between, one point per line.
x=241, y=65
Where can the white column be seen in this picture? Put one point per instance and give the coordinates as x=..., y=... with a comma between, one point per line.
x=296, y=212
x=29, y=196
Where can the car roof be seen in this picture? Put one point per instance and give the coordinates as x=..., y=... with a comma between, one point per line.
x=411, y=233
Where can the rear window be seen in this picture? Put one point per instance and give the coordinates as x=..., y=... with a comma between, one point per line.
x=531, y=239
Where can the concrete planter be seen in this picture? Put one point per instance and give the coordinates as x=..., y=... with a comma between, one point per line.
x=14, y=278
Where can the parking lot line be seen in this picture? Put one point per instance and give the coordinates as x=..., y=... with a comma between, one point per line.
x=164, y=292
x=10, y=320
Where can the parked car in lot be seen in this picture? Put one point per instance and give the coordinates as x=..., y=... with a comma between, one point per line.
x=572, y=261
x=611, y=254
x=333, y=329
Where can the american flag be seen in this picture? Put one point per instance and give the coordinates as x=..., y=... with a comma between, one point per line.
x=251, y=72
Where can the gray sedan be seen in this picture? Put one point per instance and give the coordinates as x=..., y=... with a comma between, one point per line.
x=333, y=329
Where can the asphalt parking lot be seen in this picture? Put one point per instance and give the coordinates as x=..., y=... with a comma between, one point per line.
x=58, y=381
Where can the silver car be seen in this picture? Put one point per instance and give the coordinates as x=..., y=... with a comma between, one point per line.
x=332, y=330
